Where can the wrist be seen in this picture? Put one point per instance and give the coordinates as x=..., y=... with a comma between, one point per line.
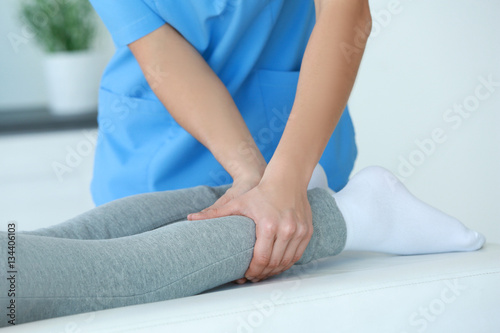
x=296, y=156
x=290, y=177
x=247, y=166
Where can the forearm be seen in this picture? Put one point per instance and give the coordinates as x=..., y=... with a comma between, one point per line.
x=325, y=83
x=197, y=99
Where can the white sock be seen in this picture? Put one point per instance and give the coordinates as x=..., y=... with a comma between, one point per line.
x=318, y=178
x=382, y=216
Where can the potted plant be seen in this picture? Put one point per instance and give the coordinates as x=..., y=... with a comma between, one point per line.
x=65, y=29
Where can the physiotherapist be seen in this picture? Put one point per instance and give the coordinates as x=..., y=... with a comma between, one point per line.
x=208, y=92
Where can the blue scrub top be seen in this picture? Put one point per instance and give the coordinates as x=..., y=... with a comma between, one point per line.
x=254, y=46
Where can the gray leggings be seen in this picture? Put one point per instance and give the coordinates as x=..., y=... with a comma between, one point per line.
x=141, y=249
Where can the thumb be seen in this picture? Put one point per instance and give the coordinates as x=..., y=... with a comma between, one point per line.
x=213, y=212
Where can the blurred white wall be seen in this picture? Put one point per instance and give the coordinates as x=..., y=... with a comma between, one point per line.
x=21, y=59
x=422, y=58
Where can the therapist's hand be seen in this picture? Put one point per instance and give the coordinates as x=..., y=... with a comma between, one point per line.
x=241, y=184
x=283, y=220
x=239, y=187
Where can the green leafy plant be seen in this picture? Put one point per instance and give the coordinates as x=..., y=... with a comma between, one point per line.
x=60, y=25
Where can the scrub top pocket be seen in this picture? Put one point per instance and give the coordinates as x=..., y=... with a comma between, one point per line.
x=135, y=118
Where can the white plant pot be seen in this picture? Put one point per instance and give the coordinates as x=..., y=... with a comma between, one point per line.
x=73, y=81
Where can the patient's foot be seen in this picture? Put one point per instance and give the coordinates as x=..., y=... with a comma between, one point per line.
x=381, y=215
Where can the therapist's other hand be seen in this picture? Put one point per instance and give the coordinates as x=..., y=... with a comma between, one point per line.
x=283, y=220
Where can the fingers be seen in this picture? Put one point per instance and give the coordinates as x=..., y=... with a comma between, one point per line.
x=283, y=227
x=288, y=258
x=263, y=249
x=295, y=250
x=211, y=213
x=272, y=258
x=220, y=208
x=240, y=281
x=281, y=246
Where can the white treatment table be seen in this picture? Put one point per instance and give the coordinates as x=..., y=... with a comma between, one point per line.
x=353, y=292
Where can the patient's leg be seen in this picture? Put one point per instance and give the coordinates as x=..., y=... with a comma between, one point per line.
x=144, y=261
x=134, y=214
x=381, y=215
x=62, y=276
x=144, y=212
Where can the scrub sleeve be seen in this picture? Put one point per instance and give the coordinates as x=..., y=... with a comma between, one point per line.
x=256, y=49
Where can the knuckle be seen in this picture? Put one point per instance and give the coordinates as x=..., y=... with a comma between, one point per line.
x=269, y=227
x=302, y=231
x=296, y=257
x=288, y=229
x=310, y=232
